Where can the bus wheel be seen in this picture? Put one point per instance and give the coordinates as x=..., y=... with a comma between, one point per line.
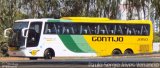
x=48, y=54
x=128, y=52
x=116, y=52
x=33, y=58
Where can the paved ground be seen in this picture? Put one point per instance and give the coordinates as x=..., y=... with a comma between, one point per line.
x=142, y=60
x=109, y=62
x=154, y=55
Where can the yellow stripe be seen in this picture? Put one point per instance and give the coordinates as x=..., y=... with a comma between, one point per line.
x=85, y=18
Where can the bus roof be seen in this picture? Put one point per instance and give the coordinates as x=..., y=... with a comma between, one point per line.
x=43, y=19
x=114, y=21
x=85, y=18
x=102, y=20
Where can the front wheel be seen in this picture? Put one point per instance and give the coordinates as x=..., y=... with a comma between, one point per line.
x=47, y=54
x=33, y=58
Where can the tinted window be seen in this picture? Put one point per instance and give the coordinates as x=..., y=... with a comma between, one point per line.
x=96, y=28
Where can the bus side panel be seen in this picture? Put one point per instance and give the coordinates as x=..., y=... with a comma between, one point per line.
x=63, y=46
x=105, y=44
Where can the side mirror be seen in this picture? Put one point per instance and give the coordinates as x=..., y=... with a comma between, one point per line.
x=7, y=32
x=24, y=32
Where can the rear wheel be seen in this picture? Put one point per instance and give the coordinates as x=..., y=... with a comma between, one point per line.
x=116, y=52
x=128, y=52
x=48, y=54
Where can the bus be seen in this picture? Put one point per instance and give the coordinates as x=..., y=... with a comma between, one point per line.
x=73, y=37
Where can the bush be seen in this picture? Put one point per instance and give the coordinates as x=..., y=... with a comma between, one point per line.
x=156, y=37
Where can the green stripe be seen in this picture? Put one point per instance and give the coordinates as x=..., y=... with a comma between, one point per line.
x=69, y=43
x=81, y=43
x=58, y=20
x=75, y=43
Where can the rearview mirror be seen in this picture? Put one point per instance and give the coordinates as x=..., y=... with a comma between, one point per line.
x=7, y=32
x=24, y=32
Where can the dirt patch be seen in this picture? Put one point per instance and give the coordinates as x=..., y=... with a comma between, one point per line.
x=12, y=58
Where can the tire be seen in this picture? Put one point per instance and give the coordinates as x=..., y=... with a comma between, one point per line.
x=116, y=52
x=33, y=58
x=128, y=52
x=48, y=54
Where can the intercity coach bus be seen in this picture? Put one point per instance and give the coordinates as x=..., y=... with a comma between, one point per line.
x=74, y=37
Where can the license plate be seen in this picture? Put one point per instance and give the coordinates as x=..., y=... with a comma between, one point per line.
x=13, y=48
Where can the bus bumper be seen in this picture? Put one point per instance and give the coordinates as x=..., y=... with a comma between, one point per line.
x=18, y=53
x=24, y=53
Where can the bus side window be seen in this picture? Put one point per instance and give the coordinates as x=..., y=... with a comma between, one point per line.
x=138, y=32
x=54, y=29
x=72, y=30
x=89, y=29
x=141, y=30
x=129, y=32
x=85, y=29
x=102, y=29
x=147, y=29
x=124, y=29
x=80, y=31
x=106, y=29
x=64, y=30
x=67, y=31
x=46, y=29
x=134, y=31
x=93, y=29
x=51, y=29
x=75, y=28
x=144, y=30
x=119, y=30
x=59, y=29
x=112, y=29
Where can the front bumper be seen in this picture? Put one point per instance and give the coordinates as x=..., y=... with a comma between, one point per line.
x=26, y=52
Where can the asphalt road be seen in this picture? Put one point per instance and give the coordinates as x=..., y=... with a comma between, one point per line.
x=106, y=62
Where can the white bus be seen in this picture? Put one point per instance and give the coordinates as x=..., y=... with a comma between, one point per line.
x=79, y=37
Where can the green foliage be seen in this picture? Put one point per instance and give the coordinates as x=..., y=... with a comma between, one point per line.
x=12, y=10
x=156, y=37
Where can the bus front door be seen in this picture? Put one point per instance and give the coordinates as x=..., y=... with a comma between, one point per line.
x=34, y=34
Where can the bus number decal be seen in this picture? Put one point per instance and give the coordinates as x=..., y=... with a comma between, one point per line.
x=142, y=39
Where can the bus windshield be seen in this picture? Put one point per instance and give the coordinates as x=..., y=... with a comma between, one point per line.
x=20, y=25
x=16, y=39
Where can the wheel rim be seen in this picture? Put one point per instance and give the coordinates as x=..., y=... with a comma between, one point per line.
x=48, y=55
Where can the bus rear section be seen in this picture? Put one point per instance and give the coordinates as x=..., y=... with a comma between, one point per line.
x=115, y=37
